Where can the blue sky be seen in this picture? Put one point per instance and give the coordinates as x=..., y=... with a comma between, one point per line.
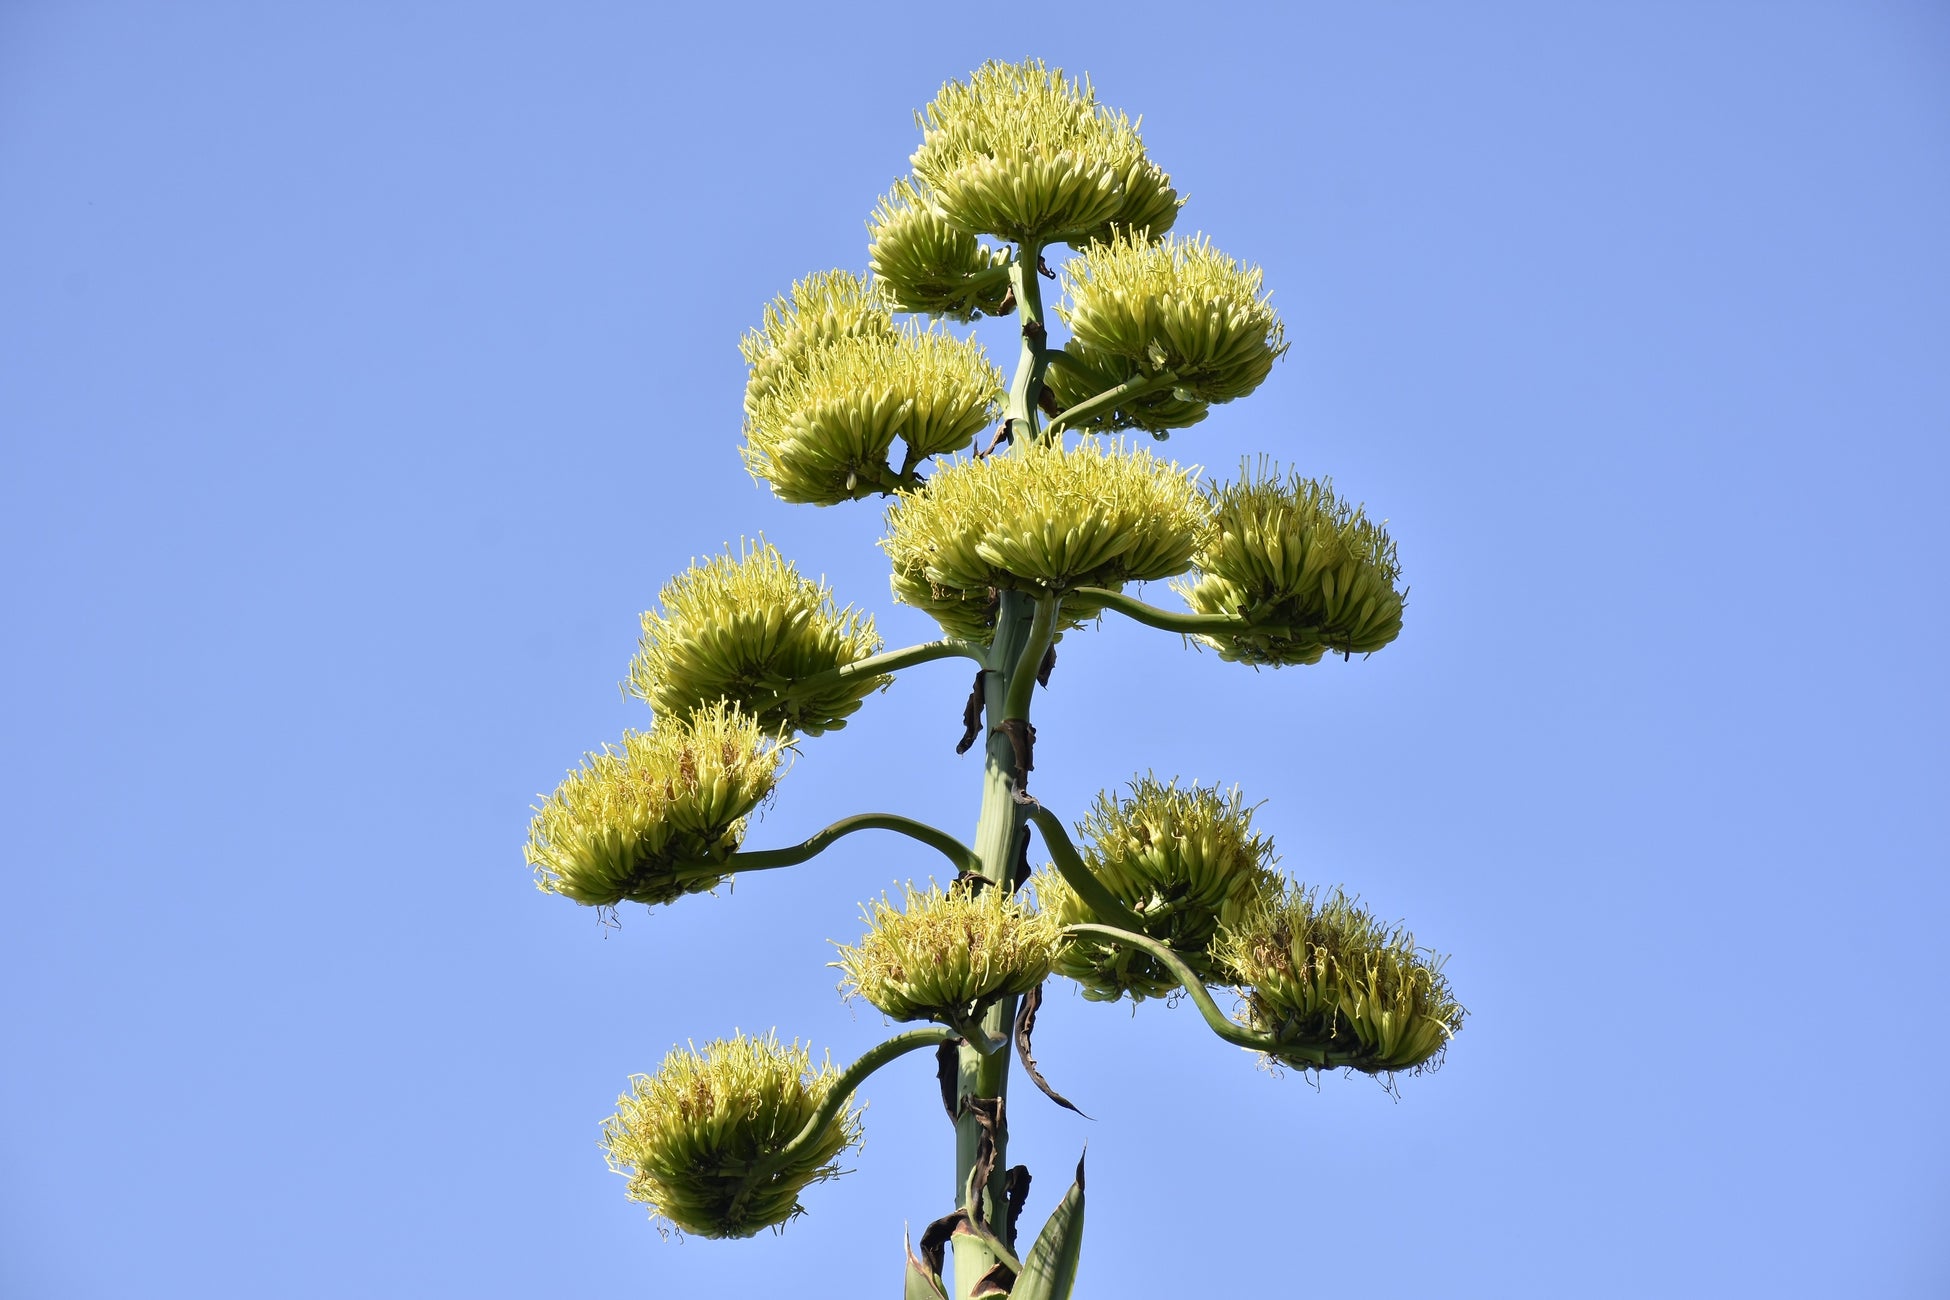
x=366, y=369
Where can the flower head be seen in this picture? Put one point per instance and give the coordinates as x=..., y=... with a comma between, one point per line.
x=944, y=955
x=631, y=820
x=1311, y=573
x=696, y=1138
x=746, y=629
x=925, y=263
x=1178, y=306
x=1042, y=519
x=1331, y=985
x=822, y=431
x=1022, y=153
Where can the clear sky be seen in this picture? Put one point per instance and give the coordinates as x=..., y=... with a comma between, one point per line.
x=366, y=368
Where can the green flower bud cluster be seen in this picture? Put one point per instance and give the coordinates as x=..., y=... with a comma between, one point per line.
x=621, y=826
x=1179, y=307
x=1311, y=572
x=822, y=433
x=1018, y=152
x=1327, y=977
x=1044, y=519
x=1185, y=860
x=924, y=263
x=945, y=955
x=745, y=629
x=694, y=1139
x=1079, y=373
x=820, y=309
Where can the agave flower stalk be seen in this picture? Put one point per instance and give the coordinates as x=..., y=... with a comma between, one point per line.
x=1009, y=545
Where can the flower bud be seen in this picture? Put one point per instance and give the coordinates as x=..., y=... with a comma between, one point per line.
x=1311, y=572
x=1180, y=306
x=819, y=310
x=925, y=264
x=1018, y=152
x=744, y=629
x=1045, y=519
x=1084, y=373
x=947, y=955
x=1185, y=860
x=691, y=1137
x=822, y=433
x=1326, y=977
x=620, y=827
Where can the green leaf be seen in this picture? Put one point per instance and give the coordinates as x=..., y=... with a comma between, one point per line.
x=1050, y=1269
x=922, y=1284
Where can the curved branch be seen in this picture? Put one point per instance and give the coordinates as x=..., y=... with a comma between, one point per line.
x=1022, y=683
x=845, y=1086
x=1111, y=398
x=1070, y=865
x=1220, y=1023
x=1168, y=620
x=890, y=661
x=960, y=855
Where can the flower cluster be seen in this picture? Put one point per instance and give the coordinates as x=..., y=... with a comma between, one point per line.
x=699, y=1139
x=1184, y=859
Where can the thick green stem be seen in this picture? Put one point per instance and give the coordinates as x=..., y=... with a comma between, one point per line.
x=1111, y=398
x=998, y=834
x=845, y=1086
x=1027, y=387
x=888, y=661
x=1221, y=1024
x=947, y=845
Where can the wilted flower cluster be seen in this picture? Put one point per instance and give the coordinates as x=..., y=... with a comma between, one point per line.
x=745, y=629
x=1329, y=984
x=945, y=953
x=1043, y=519
x=1185, y=860
x=1021, y=153
x=622, y=826
x=696, y=1137
x=1312, y=573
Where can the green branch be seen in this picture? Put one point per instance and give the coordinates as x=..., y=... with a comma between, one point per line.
x=1112, y=398
x=843, y=1088
x=1168, y=620
x=1022, y=683
x=954, y=850
x=889, y=661
x=1070, y=865
x=1220, y=1023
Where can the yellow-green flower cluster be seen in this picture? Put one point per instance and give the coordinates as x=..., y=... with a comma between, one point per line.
x=1185, y=860
x=747, y=629
x=693, y=1138
x=1021, y=153
x=1311, y=573
x=1326, y=977
x=822, y=432
x=820, y=309
x=1180, y=307
x=947, y=954
x=1044, y=519
x=924, y=263
x=1081, y=373
x=623, y=825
